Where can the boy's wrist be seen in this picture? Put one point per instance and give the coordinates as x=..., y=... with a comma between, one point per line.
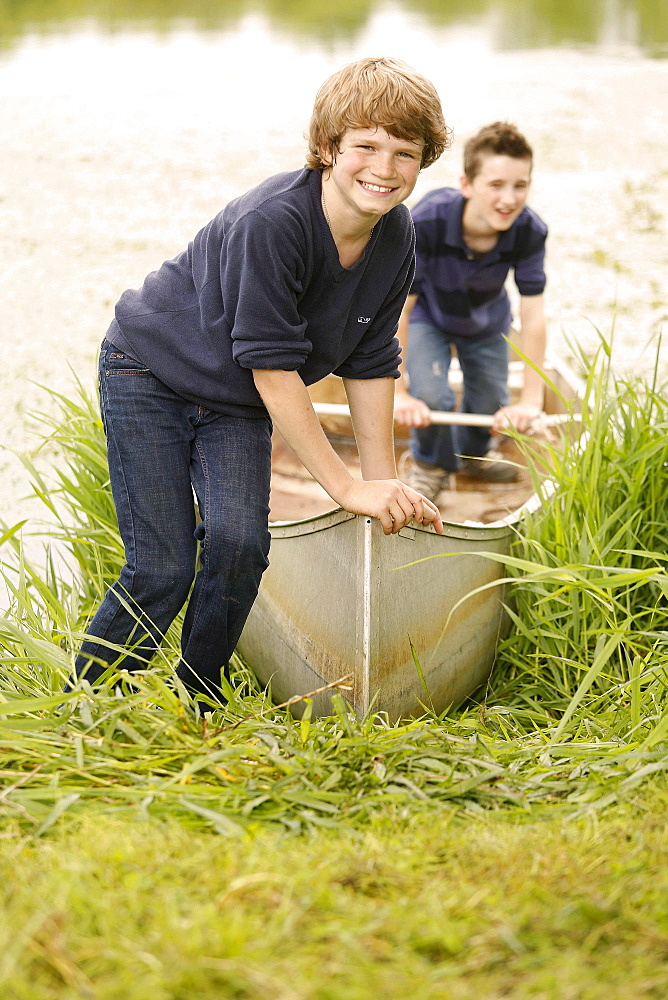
x=534, y=401
x=340, y=490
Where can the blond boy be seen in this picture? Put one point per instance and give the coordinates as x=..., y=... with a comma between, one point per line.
x=302, y=276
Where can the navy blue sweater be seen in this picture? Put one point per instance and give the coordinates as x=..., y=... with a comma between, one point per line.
x=261, y=286
x=460, y=292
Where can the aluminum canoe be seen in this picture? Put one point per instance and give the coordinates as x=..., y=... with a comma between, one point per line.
x=342, y=599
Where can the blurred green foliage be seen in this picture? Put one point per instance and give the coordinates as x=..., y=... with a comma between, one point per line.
x=517, y=23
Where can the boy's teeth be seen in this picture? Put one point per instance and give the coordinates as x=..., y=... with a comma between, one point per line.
x=375, y=187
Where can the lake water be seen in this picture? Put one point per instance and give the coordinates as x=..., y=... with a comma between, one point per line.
x=125, y=131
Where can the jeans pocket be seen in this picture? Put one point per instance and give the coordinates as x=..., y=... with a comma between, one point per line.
x=117, y=362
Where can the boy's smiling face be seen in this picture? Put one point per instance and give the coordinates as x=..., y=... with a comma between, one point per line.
x=373, y=171
x=496, y=195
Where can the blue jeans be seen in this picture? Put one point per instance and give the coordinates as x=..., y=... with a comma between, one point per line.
x=484, y=365
x=160, y=447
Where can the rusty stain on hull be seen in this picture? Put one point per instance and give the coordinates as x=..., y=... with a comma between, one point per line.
x=343, y=598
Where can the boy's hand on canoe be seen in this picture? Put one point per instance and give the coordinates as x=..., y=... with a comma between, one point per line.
x=392, y=502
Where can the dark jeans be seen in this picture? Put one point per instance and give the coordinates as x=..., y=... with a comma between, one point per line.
x=160, y=447
x=484, y=365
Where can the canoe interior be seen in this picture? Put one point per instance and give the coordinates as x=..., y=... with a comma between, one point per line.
x=295, y=495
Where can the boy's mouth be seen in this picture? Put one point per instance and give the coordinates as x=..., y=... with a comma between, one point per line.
x=376, y=188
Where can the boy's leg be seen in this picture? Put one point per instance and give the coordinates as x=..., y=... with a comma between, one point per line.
x=485, y=371
x=428, y=363
x=149, y=434
x=231, y=473
x=484, y=367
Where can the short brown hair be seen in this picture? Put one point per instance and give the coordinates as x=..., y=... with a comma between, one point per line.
x=377, y=93
x=497, y=139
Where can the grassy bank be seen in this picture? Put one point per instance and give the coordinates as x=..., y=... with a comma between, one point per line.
x=410, y=909
x=575, y=715
x=515, y=848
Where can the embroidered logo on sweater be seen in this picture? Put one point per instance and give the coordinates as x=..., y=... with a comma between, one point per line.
x=363, y=319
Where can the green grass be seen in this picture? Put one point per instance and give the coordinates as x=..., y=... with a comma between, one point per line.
x=514, y=848
x=407, y=910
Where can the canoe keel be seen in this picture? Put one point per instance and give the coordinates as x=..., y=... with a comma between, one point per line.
x=341, y=598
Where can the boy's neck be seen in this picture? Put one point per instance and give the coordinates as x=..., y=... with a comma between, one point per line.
x=480, y=239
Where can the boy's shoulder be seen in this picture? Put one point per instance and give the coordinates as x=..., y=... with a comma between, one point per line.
x=527, y=235
x=285, y=201
x=271, y=195
x=440, y=203
x=529, y=219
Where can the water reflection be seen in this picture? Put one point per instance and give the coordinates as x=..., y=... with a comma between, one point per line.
x=514, y=24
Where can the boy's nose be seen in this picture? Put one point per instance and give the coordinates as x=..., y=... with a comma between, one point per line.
x=508, y=198
x=384, y=166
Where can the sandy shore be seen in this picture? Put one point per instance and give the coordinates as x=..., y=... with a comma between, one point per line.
x=108, y=171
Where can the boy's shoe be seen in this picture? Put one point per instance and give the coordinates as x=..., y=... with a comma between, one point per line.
x=493, y=468
x=427, y=479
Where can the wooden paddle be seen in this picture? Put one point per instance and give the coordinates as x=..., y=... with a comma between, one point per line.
x=446, y=417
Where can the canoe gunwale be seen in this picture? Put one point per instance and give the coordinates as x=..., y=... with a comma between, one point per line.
x=451, y=529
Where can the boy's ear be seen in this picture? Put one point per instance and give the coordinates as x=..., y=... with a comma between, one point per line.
x=326, y=156
x=465, y=185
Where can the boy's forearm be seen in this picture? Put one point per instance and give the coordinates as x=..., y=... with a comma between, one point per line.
x=402, y=336
x=289, y=405
x=371, y=404
x=534, y=341
x=393, y=503
x=533, y=389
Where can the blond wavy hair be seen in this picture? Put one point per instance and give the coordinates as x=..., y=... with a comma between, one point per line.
x=376, y=93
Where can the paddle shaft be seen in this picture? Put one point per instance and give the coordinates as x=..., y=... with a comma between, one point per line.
x=445, y=416
x=437, y=416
